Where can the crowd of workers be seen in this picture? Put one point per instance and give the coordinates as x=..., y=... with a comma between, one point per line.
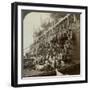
x=55, y=53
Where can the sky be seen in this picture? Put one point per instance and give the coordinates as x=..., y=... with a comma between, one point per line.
x=31, y=23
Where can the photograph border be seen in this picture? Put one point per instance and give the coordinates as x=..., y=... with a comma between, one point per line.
x=14, y=43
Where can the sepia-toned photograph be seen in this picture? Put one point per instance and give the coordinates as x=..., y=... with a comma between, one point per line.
x=51, y=43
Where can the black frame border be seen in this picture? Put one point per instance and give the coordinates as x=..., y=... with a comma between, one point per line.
x=14, y=43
